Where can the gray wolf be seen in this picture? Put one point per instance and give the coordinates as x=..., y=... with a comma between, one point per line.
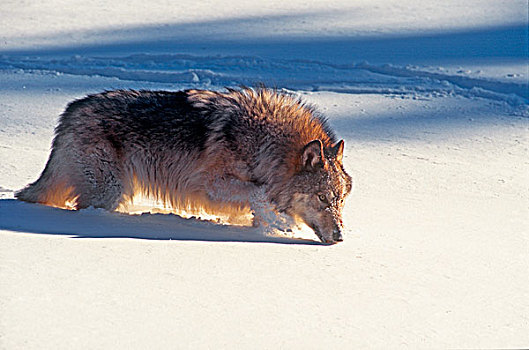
x=198, y=149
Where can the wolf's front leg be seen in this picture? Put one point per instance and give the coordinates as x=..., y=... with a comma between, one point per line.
x=230, y=190
x=238, y=192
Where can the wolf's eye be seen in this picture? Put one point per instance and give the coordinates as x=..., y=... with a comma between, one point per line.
x=322, y=198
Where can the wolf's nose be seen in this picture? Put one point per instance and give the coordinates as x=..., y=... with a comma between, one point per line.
x=337, y=236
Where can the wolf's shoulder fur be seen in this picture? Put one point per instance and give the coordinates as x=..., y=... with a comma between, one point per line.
x=264, y=111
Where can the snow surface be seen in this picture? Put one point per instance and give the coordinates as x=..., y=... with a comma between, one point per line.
x=432, y=100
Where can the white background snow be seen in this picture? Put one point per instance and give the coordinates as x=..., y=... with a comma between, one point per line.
x=431, y=98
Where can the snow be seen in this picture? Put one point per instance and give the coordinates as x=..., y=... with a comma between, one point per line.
x=432, y=101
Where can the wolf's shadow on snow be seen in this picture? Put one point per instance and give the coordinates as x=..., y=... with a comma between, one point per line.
x=97, y=223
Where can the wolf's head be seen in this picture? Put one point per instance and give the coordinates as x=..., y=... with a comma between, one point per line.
x=319, y=189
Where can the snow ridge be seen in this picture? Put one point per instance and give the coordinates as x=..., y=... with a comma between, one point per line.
x=206, y=71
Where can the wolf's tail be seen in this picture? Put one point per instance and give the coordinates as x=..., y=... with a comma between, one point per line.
x=51, y=188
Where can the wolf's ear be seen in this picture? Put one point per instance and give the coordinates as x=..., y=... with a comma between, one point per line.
x=312, y=157
x=337, y=150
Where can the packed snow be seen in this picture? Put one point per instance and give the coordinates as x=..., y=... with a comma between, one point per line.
x=432, y=101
